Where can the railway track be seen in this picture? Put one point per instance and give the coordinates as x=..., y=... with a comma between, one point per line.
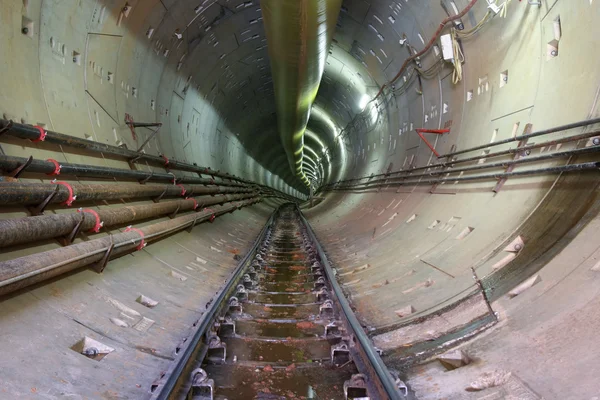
x=280, y=329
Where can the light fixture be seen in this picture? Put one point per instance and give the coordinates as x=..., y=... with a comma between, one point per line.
x=364, y=100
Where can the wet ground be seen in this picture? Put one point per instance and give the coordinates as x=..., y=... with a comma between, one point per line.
x=279, y=349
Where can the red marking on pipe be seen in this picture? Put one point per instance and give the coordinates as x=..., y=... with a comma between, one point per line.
x=438, y=131
x=139, y=231
x=42, y=136
x=194, y=200
x=420, y=132
x=99, y=224
x=57, y=167
x=166, y=159
x=71, y=198
x=213, y=216
x=182, y=189
x=129, y=121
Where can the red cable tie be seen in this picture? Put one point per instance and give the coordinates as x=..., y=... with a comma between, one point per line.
x=213, y=216
x=437, y=131
x=182, y=189
x=71, y=198
x=129, y=118
x=99, y=224
x=42, y=136
x=139, y=231
x=428, y=144
x=57, y=167
x=166, y=159
x=195, y=202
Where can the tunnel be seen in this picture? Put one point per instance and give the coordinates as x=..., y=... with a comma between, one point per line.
x=438, y=158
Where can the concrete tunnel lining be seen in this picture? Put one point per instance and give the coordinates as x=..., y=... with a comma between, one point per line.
x=403, y=253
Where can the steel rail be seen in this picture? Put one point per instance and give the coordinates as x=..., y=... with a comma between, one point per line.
x=385, y=378
x=175, y=372
x=503, y=164
x=24, y=271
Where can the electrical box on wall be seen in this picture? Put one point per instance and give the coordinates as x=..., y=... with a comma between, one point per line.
x=447, y=52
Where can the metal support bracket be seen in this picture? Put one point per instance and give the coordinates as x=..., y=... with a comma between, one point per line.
x=340, y=354
x=174, y=214
x=132, y=161
x=39, y=209
x=146, y=179
x=484, y=294
x=421, y=131
x=159, y=197
x=21, y=168
x=6, y=128
x=528, y=129
x=193, y=224
x=68, y=240
x=100, y=265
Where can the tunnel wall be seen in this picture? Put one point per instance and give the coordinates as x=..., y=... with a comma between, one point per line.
x=79, y=68
x=392, y=249
x=404, y=253
x=88, y=64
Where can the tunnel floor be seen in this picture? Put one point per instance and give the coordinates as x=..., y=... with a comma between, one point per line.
x=279, y=349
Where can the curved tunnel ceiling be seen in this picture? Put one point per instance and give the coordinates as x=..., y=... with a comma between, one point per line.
x=224, y=51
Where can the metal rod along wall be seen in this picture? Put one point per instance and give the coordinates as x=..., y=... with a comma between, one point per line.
x=504, y=164
x=525, y=148
x=590, y=166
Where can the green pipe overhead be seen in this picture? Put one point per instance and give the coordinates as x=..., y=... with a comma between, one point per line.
x=299, y=33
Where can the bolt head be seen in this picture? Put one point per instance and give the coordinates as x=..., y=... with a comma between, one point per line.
x=596, y=141
x=25, y=30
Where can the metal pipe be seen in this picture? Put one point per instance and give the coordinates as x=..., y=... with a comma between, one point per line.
x=299, y=33
x=551, y=170
x=24, y=271
x=32, y=133
x=29, y=132
x=31, y=229
x=17, y=193
x=11, y=163
x=503, y=164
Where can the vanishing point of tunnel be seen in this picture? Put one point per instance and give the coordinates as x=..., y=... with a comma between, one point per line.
x=300, y=199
